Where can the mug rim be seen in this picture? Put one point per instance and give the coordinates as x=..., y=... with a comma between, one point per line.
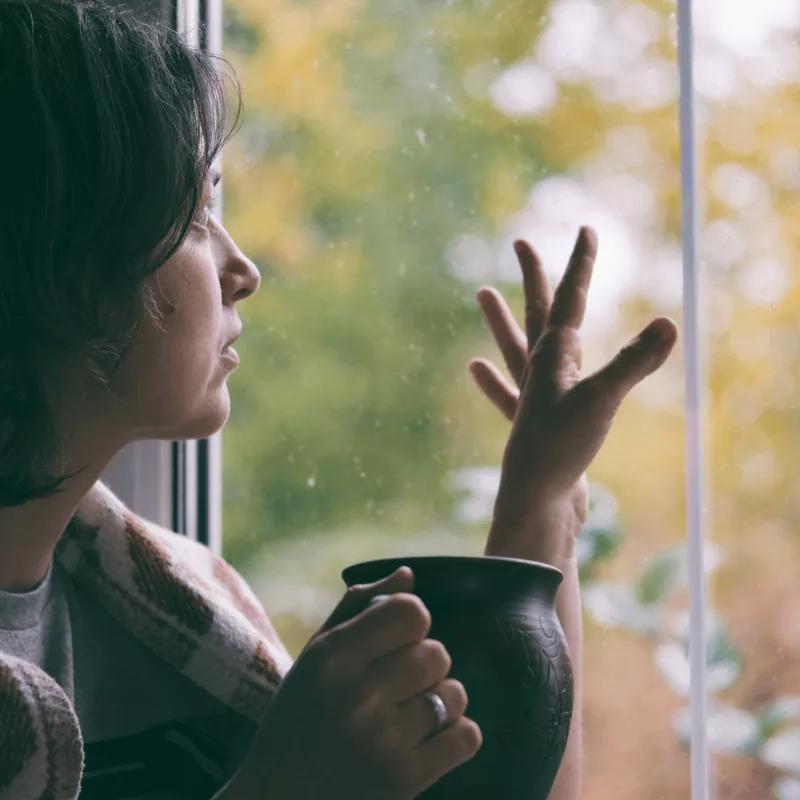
x=411, y=561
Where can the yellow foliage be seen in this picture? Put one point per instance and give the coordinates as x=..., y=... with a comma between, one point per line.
x=296, y=74
x=503, y=192
x=575, y=127
x=270, y=220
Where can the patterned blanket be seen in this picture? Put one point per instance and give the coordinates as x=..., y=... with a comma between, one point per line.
x=178, y=598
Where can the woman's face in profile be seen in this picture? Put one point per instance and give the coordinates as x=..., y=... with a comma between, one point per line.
x=172, y=381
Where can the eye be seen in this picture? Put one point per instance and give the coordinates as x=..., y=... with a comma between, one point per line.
x=203, y=216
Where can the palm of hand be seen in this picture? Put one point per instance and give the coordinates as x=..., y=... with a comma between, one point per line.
x=559, y=421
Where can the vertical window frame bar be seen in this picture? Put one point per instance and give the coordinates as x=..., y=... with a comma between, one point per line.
x=695, y=534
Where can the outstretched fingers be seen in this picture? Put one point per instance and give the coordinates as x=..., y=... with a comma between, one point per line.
x=538, y=296
x=569, y=303
x=515, y=345
x=505, y=330
x=491, y=382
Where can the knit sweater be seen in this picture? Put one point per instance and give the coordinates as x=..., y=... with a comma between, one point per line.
x=174, y=595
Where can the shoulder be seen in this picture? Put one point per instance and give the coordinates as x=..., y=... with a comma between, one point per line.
x=147, y=559
x=217, y=575
x=40, y=740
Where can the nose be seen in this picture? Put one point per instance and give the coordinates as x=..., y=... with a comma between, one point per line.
x=240, y=277
x=246, y=277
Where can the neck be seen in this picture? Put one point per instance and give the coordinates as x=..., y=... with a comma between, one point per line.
x=30, y=532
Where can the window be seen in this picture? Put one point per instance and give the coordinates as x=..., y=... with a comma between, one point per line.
x=390, y=153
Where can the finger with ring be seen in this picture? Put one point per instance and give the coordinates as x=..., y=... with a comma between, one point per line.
x=430, y=712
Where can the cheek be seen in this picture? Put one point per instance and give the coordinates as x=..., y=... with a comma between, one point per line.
x=171, y=376
x=182, y=359
x=184, y=343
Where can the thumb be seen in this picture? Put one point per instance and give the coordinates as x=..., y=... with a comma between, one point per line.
x=358, y=597
x=638, y=359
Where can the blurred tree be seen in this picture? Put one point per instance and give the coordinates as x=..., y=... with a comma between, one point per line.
x=361, y=157
x=373, y=139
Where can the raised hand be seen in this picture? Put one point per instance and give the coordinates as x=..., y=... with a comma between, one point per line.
x=559, y=421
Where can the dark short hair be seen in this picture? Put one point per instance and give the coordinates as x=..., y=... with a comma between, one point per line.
x=110, y=127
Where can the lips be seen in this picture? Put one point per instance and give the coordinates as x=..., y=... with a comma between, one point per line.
x=230, y=341
x=231, y=356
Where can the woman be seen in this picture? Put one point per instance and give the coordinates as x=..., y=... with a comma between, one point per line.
x=133, y=662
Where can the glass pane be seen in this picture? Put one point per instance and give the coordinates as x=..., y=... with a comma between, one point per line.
x=748, y=71
x=391, y=152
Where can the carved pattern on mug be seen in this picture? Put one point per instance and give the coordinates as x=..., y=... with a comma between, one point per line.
x=523, y=703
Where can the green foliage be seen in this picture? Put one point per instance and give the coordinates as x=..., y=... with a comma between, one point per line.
x=663, y=574
x=238, y=34
x=783, y=712
x=342, y=420
x=354, y=343
x=600, y=537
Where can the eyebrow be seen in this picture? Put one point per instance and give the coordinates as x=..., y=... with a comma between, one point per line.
x=216, y=176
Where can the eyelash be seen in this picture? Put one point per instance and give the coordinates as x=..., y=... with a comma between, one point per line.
x=205, y=211
x=205, y=216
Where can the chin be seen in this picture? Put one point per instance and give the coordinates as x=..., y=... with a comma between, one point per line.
x=206, y=421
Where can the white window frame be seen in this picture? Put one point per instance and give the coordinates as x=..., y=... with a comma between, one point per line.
x=693, y=409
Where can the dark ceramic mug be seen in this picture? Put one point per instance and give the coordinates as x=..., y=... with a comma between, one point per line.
x=497, y=619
